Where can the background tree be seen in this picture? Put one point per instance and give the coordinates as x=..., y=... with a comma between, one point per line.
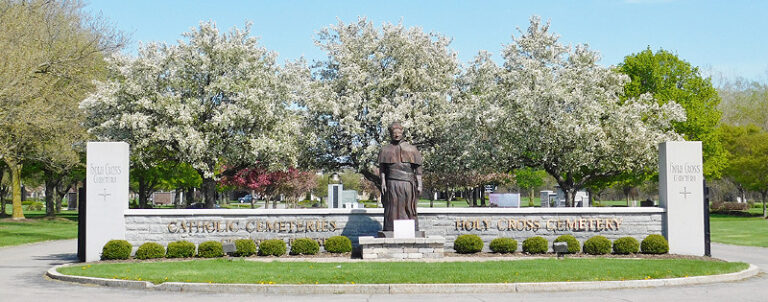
x=295, y=184
x=52, y=51
x=559, y=110
x=161, y=176
x=744, y=102
x=292, y=183
x=214, y=99
x=748, y=159
x=670, y=79
x=530, y=179
x=373, y=77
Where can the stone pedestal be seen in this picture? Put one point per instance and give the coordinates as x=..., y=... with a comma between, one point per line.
x=390, y=234
x=402, y=248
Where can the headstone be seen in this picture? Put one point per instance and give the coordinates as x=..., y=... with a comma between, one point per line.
x=544, y=198
x=334, y=195
x=349, y=199
x=404, y=228
x=72, y=201
x=582, y=199
x=348, y=196
x=504, y=200
x=107, y=195
x=681, y=192
x=164, y=198
x=582, y=196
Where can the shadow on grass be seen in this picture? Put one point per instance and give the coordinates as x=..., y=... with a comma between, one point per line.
x=725, y=214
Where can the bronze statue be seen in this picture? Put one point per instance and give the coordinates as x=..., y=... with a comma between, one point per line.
x=400, y=168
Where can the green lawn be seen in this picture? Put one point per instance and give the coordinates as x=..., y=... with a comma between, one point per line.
x=35, y=229
x=752, y=231
x=540, y=270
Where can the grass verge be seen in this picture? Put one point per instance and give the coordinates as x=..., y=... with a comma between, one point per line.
x=539, y=270
x=751, y=231
x=35, y=229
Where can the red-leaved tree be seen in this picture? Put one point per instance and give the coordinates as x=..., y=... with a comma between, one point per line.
x=291, y=183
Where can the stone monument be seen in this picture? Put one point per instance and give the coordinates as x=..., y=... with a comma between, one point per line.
x=681, y=192
x=106, y=195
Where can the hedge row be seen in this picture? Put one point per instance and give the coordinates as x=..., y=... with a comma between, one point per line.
x=121, y=249
x=597, y=245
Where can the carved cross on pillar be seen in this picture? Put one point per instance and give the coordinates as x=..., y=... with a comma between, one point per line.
x=685, y=193
x=105, y=194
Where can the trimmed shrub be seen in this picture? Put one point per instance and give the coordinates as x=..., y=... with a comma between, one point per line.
x=468, y=244
x=626, y=245
x=535, y=245
x=272, y=247
x=180, y=249
x=338, y=244
x=35, y=206
x=244, y=247
x=305, y=246
x=573, y=244
x=210, y=249
x=503, y=245
x=725, y=207
x=116, y=249
x=597, y=245
x=654, y=244
x=150, y=250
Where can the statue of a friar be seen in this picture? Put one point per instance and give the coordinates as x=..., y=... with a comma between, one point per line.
x=400, y=168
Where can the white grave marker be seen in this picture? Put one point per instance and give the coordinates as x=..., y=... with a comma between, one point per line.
x=106, y=195
x=504, y=200
x=404, y=228
x=681, y=192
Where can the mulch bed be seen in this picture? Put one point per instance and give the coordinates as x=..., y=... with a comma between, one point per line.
x=456, y=256
x=586, y=256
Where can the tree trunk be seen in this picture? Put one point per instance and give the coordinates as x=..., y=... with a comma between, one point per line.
x=143, y=196
x=431, y=199
x=49, y=187
x=18, y=213
x=209, y=191
x=531, y=196
x=449, y=199
x=2, y=194
x=474, y=196
x=482, y=196
x=190, y=196
x=626, y=191
x=764, y=193
x=60, y=197
x=591, y=198
x=569, y=196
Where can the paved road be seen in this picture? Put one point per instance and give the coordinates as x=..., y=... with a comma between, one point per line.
x=22, y=278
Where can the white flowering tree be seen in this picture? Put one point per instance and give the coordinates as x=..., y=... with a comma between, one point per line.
x=373, y=77
x=214, y=99
x=557, y=109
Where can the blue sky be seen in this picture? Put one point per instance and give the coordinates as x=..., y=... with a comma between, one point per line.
x=721, y=37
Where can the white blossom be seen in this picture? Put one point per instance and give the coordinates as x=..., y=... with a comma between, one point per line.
x=557, y=109
x=214, y=98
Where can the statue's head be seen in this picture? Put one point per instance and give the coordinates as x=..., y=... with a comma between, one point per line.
x=396, y=132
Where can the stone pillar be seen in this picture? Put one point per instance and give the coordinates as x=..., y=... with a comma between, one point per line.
x=681, y=193
x=107, y=195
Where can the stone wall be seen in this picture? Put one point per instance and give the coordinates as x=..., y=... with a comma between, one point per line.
x=164, y=226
